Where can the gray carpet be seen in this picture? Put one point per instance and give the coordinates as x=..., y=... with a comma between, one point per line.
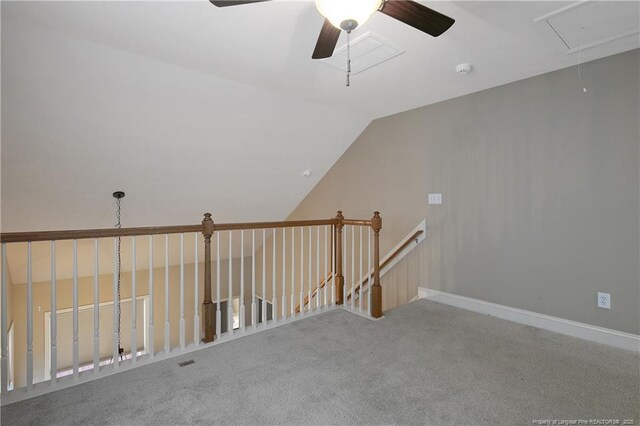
x=425, y=363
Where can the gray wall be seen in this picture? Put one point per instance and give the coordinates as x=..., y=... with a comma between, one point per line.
x=540, y=184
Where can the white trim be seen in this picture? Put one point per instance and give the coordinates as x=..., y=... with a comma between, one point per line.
x=580, y=330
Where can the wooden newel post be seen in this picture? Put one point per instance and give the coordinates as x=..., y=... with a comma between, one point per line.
x=338, y=253
x=208, y=311
x=376, y=290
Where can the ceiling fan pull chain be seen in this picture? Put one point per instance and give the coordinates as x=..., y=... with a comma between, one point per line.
x=348, y=59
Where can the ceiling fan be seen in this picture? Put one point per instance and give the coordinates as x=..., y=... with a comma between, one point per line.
x=347, y=15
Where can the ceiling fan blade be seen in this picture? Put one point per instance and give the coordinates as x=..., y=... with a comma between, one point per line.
x=327, y=41
x=225, y=3
x=418, y=16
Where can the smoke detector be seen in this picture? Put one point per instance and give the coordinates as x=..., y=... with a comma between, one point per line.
x=463, y=68
x=306, y=173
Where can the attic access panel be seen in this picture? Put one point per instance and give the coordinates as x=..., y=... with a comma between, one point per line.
x=587, y=24
x=367, y=51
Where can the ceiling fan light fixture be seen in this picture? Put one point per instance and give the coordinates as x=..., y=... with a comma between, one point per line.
x=347, y=14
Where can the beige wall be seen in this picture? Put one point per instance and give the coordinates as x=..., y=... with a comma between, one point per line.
x=540, y=183
x=42, y=304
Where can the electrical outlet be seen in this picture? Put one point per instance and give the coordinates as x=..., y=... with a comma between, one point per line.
x=604, y=300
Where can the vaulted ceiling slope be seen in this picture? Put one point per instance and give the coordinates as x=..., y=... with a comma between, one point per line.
x=81, y=120
x=191, y=108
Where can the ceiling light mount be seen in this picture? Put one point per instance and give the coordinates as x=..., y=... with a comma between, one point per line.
x=348, y=15
x=349, y=25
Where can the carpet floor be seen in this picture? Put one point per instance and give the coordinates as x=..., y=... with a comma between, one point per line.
x=424, y=363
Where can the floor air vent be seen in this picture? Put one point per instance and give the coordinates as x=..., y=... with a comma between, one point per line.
x=367, y=51
x=185, y=363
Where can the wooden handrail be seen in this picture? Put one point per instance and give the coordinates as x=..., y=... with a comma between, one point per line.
x=20, y=237
x=266, y=225
x=408, y=241
x=207, y=228
x=356, y=222
x=389, y=259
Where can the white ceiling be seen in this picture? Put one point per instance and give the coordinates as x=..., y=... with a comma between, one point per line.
x=191, y=108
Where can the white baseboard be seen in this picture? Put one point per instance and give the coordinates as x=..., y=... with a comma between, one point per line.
x=593, y=333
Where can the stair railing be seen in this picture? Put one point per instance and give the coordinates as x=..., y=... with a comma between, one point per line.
x=255, y=275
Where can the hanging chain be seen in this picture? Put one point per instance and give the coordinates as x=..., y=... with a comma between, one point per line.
x=584, y=89
x=119, y=225
x=348, y=59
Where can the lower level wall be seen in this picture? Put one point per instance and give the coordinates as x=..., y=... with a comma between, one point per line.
x=400, y=284
x=42, y=304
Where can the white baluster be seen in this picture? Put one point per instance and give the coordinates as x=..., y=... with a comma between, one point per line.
x=115, y=358
x=96, y=309
x=333, y=266
x=369, y=274
x=318, y=293
x=293, y=271
x=264, y=278
x=309, y=304
x=151, y=333
x=4, y=373
x=326, y=267
x=284, y=279
x=76, y=348
x=134, y=306
x=361, y=279
x=167, y=319
x=54, y=318
x=196, y=296
x=218, y=312
x=29, y=320
x=242, y=325
x=274, y=299
x=344, y=267
x=254, y=315
x=182, y=322
x=353, y=267
x=230, y=298
x=301, y=302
